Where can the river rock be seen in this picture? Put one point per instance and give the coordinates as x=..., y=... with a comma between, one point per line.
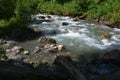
x=44, y=40
x=51, y=50
x=8, y=44
x=54, y=46
x=105, y=36
x=76, y=19
x=26, y=52
x=112, y=56
x=41, y=17
x=36, y=49
x=17, y=49
x=7, y=50
x=65, y=23
x=60, y=47
x=48, y=17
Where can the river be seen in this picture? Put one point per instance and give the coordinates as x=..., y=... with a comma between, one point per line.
x=78, y=37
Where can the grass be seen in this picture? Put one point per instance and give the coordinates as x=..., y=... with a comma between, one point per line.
x=107, y=9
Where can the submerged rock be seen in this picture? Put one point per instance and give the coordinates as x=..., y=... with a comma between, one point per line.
x=44, y=40
x=60, y=47
x=105, y=36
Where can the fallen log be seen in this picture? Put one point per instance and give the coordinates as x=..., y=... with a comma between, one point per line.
x=65, y=63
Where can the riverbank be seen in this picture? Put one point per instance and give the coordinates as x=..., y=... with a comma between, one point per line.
x=104, y=12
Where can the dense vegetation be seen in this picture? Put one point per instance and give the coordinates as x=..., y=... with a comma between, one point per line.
x=90, y=9
x=16, y=13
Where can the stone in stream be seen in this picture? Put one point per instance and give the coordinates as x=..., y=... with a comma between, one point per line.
x=26, y=52
x=44, y=40
x=51, y=50
x=60, y=47
x=105, y=36
x=17, y=49
x=65, y=23
x=41, y=17
x=48, y=17
x=36, y=49
x=8, y=44
x=54, y=46
x=112, y=56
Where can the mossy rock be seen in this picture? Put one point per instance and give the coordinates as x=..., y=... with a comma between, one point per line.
x=44, y=40
x=105, y=36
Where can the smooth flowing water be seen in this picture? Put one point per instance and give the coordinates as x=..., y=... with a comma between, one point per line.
x=78, y=37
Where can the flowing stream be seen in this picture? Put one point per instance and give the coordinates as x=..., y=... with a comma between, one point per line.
x=78, y=37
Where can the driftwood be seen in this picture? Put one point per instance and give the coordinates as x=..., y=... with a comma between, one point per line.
x=65, y=63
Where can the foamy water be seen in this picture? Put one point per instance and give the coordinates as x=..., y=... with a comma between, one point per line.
x=79, y=36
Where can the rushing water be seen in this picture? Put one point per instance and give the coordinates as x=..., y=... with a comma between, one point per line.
x=79, y=37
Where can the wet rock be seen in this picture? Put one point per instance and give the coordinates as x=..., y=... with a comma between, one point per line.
x=51, y=50
x=76, y=19
x=111, y=57
x=105, y=36
x=54, y=46
x=14, y=56
x=48, y=17
x=26, y=52
x=17, y=49
x=65, y=23
x=44, y=40
x=7, y=50
x=41, y=17
x=8, y=44
x=36, y=49
x=60, y=47
x=46, y=46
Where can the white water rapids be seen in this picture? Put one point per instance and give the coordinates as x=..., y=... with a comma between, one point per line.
x=78, y=36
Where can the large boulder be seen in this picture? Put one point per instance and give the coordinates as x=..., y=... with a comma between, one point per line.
x=112, y=56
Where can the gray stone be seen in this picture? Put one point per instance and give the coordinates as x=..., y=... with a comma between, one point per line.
x=26, y=52
x=17, y=49
x=37, y=49
x=44, y=40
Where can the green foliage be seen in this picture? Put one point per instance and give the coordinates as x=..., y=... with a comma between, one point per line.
x=6, y=8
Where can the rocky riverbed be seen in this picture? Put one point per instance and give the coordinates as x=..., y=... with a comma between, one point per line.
x=94, y=49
